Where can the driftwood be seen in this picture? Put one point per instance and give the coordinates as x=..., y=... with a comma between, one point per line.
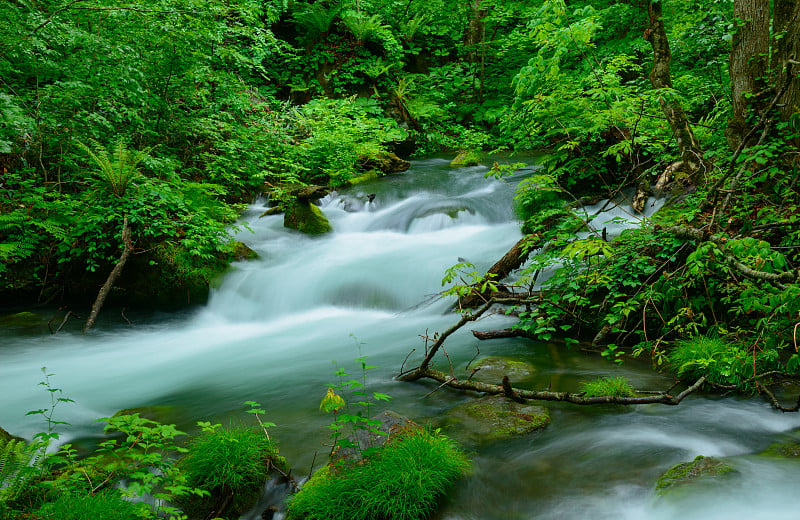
x=112, y=277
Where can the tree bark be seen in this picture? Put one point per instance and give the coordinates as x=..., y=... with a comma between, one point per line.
x=691, y=162
x=112, y=277
x=748, y=64
x=786, y=50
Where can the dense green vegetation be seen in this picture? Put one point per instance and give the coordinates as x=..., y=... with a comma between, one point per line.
x=164, y=118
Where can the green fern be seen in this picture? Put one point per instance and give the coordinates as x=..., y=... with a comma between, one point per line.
x=19, y=464
x=316, y=20
x=363, y=27
x=116, y=173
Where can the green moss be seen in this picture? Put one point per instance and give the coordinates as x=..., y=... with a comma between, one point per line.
x=306, y=218
x=787, y=450
x=240, y=251
x=700, y=469
x=495, y=417
x=369, y=176
x=467, y=158
x=493, y=368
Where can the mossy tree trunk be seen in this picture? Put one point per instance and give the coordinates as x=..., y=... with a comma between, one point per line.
x=691, y=162
x=748, y=64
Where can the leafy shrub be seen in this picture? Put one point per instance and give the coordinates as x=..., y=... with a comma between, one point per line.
x=400, y=481
x=103, y=506
x=614, y=386
x=720, y=360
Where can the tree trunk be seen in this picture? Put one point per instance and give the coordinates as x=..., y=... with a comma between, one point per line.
x=691, y=162
x=786, y=50
x=112, y=277
x=748, y=65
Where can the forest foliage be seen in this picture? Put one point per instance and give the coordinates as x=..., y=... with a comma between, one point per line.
x=173, y=113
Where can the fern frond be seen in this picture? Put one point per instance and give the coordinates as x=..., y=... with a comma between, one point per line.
x=19, y=464
x=116, y=173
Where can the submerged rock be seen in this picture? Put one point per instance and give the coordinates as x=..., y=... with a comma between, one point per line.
x=306, y=218
x=786, y=450
x=494, y=417
x=706, y=470
x=492, y=369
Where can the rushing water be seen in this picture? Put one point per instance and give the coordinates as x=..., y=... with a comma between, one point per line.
x=276, y=329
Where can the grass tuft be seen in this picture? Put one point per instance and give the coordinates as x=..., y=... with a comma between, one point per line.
x=103, y=506
x=403, y=480
x=616, y=386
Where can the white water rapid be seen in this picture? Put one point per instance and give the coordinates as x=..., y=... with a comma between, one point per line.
x=277, y=328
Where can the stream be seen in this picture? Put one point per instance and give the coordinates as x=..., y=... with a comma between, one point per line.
x=276, y=329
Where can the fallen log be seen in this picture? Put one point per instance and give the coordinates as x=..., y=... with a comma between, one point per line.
x=498, y=334
x=546, y=395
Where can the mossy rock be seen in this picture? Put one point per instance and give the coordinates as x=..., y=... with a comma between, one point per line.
x=241, y=251
x=23, y=320
x=467, y=158
x=369, y=176
x=307, y=218
x=492, y=369
x=163, y=414
x=705, y=470
x=494, y=417
x=391, y=423
x=5, y=437
x=785, y=450
x=385, y=162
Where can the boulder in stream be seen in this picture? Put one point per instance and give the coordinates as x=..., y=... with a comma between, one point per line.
x=466, y=158
x=385, y=162
x=494, y=417
x=702, y=470
x=306, y=218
